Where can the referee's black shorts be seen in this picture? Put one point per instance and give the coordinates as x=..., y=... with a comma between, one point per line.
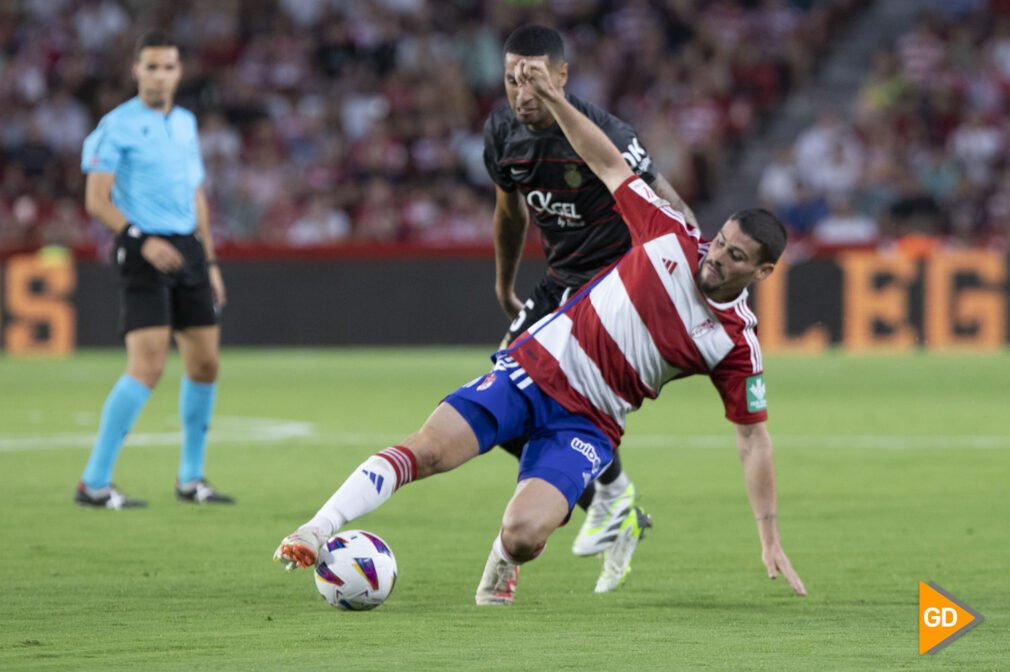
x=150, y=298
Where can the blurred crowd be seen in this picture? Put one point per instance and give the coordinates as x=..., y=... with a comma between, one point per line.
x=921, y=162
x=332, y=120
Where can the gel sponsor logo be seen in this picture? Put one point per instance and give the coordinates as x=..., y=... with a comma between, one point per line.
x=588, y=450
x=543, y=202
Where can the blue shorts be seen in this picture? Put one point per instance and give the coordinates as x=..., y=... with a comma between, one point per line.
x=562, y=448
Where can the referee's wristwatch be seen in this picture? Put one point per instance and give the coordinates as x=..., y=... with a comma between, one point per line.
x=131, y=231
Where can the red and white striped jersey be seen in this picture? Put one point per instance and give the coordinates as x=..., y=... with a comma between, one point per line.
x=643, y=323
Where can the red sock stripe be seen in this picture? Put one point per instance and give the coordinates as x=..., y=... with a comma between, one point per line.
x=403, y=463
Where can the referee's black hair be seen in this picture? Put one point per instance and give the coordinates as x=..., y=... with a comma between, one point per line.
x=536, y=41
x=154, y=38
x=766, y=229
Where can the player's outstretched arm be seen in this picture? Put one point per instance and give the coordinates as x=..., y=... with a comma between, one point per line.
x=666, y=191
x=589, y=142
x=755, y=447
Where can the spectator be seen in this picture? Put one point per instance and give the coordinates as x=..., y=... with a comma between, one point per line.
x=915, y=212
x=802, y=215
x=779, y=181
x=322, y=223
x=376, y=218
x=975, y=145
x=931, y=117
x=62, y=121
x=837, y=173
x=65, y=228
x=33, y=155
x=845, y=227
x=218, y=139
x=307, y=96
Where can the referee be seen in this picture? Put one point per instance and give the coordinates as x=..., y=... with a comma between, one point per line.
x=144, y=173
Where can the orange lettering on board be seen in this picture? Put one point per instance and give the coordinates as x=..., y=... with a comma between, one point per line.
x=867, y=306
x=772, y=311
x=50, y=307
x=982, y=309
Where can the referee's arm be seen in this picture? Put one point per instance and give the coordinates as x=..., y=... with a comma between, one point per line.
x=98, y=201
x=203, y=229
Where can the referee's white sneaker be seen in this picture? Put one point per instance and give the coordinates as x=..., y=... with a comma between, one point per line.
x=199, y=491
x=603, y=522
x=108, y=497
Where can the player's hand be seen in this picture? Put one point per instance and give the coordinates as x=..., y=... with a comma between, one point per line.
x=777, y=562
x=510, y=303
x=217, y=286
x=535, y=75
x=161, y=254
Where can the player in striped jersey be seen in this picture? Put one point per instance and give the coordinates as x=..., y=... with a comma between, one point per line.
x=539, y=178
x=674, y=306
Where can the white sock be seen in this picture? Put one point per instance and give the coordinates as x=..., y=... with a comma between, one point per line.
x=499, y=550
x=613, y=489
x=368, y=487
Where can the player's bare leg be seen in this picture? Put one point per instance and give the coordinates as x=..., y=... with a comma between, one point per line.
x=537, y=509
x=444, y=442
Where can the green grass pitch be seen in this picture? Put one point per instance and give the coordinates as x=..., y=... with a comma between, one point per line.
x=893, y=469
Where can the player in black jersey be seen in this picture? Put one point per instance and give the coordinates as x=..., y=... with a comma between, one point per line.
x=535, y=170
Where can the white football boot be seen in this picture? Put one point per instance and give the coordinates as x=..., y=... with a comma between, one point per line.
x=498, y=584
x=300, y=548
x=617, y=558
x=603, y=522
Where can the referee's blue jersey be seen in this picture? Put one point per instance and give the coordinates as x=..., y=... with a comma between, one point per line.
x=157, y=163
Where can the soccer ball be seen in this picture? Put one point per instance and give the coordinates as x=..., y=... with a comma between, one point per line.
x=356, y=571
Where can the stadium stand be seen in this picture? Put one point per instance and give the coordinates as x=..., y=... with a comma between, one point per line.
x=329, y=121
x=918, y=160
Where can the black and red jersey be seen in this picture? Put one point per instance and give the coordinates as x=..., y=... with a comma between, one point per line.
x=581, y=231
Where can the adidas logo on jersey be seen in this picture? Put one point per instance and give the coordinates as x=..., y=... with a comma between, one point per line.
x=671, y=266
